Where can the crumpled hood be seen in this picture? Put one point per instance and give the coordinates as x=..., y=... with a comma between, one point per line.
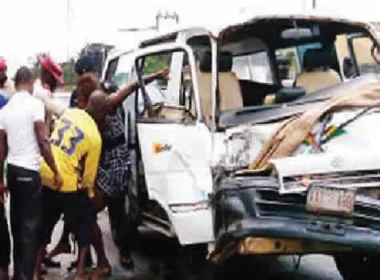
x=240, y=146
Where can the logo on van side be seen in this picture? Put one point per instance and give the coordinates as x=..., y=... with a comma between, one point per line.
x=158, y=147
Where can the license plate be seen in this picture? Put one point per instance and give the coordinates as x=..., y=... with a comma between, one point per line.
x=330, y=200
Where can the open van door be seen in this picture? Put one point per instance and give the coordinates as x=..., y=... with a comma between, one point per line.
x=175, y=145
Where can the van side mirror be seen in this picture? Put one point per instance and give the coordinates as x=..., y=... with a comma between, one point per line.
x=289, y=94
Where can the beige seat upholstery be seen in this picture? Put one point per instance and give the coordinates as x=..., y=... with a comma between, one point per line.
x=229, y=87
x=317, y=75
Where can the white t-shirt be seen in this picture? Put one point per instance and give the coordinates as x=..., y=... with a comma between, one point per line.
x=17, y=118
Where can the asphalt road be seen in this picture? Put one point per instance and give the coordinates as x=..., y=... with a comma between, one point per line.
x=316, y=267
x=148, y=267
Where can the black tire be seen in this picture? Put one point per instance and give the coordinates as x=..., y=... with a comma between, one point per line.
x=357, y=266
x=230, y=269
x=190, y=263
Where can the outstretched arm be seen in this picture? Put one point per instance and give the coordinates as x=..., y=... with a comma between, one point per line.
x=118, y=97
x=51, y=105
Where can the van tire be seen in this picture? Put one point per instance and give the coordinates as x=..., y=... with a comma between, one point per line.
x=190, y=262
x=236, y=265
x=354, y=266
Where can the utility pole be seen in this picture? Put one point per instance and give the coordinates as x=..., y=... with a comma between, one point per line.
x=68, y=18
x=314, y=4
x=68, y=28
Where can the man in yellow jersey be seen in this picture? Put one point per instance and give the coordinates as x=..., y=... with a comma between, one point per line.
x=76, y=146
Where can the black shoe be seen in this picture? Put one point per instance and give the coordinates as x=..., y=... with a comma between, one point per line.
x=126, y=261
x=50, y=263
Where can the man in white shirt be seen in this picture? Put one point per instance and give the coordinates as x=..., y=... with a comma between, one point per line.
x=23, y=140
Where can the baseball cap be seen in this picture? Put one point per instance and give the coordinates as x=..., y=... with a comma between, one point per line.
x=85, y=64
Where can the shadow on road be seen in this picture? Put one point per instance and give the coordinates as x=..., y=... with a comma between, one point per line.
x=153, y=253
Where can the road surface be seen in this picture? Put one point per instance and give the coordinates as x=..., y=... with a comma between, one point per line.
x=316, y=267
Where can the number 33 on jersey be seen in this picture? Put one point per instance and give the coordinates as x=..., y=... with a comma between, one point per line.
x=75, y=139
x=66, y=136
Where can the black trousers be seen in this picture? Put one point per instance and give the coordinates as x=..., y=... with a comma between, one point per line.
x=123, y=230
x=5, y=242
x=78, y=212
x=25, y=213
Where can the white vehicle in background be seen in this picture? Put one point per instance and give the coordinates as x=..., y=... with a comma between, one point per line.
x=224, y=99
x=62, y=98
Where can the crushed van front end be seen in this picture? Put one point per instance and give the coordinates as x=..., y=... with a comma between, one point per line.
x=252, y=217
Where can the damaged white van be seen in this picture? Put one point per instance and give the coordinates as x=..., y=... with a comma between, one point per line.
x=263, y=141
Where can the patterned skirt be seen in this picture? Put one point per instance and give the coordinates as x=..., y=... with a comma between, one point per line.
x=114, y=171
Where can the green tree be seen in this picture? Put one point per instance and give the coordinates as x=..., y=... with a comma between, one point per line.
x=68, y=72
x=156, y=63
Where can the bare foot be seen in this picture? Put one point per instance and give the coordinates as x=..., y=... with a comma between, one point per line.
x=37, y=277
x=101, y=271
x=60, y=248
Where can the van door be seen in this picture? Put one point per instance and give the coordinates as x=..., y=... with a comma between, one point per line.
x=175, y=145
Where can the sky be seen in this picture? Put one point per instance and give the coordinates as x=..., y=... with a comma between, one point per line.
x=63, y=27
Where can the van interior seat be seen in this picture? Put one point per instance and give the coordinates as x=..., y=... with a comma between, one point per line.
x=229, y=87
x=318, y=73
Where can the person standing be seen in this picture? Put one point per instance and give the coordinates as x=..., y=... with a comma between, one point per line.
x=51, y=77
x=23, y=140
x=6, y=87
x=113, y=172
x=76, y=142
x=5, y=242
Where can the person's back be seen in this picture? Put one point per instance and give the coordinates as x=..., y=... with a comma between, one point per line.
x=75, y=140
x=23, y=149
x=23, y=140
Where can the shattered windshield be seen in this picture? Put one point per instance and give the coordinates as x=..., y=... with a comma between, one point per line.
x=263, y=72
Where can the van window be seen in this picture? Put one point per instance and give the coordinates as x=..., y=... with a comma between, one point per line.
x=123, y=70
x=111, y=69
x=362, y=48
x=157, y=91
x=253, y=67
x=288, y=65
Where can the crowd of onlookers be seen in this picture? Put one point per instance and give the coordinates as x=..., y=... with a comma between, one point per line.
x=58, y=162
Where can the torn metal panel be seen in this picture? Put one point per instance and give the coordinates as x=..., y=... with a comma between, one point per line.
x=346, y=167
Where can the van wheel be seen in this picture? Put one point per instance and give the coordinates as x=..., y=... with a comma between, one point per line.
x=190, y=263
x=229, y=269
x=354, y=266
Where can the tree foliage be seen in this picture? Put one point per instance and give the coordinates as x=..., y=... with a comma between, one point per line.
x=156, y=63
